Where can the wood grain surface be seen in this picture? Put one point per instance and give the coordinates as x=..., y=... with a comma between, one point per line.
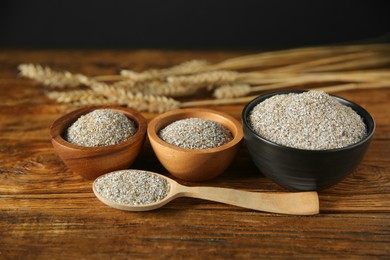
x=49, y=212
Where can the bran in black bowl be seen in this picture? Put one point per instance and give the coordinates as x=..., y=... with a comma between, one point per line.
x=306, y=140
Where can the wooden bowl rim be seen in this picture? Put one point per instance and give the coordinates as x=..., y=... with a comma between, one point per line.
x=179, y=114
x=59, y=125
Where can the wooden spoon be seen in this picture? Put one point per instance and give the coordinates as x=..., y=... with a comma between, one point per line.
x=296, y=203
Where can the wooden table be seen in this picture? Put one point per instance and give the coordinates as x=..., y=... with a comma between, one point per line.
x=48, y=212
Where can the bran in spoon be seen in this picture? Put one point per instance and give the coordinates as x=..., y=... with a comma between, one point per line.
x=132, y=187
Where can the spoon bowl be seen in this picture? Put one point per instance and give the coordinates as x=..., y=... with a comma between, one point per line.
x=294, y=203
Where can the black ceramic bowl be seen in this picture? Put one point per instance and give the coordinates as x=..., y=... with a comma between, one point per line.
x=304, y=170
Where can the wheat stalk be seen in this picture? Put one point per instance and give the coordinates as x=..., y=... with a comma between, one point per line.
x=293, y=56
x=257, y=78
x=355, y=86
x=307, y=65
x=354, y=64
x=294, y=80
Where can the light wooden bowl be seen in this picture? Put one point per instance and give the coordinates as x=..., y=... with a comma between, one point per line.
x=191, y=164
x=91, y=162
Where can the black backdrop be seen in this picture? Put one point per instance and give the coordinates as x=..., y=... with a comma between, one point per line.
x=188, y=24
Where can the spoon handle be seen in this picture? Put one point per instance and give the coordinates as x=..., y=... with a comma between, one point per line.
x=295, y=203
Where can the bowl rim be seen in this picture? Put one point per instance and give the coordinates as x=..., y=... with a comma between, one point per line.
x=182, y=113
x=62, y=123
x=251, y=104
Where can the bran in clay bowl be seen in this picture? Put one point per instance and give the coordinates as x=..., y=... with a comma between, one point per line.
x=195, y=144
x=96, y=140
x=306, y=140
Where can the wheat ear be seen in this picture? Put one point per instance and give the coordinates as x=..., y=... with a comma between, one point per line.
x=205, y=79
x=232, y=91
x=137, y=100
x=49, y=77
x=153, y=74
x=79, y=97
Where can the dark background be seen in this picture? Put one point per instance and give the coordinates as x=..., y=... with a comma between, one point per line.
x=189, y=24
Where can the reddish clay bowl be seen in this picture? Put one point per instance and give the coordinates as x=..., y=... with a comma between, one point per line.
x=91, y=162
x=191, y=164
